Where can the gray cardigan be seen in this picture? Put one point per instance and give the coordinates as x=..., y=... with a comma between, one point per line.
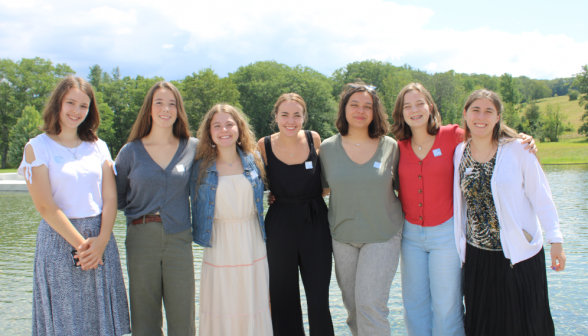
x=143, y=187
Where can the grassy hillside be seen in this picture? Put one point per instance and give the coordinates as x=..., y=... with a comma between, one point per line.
x=566, y=151
x=571, y=108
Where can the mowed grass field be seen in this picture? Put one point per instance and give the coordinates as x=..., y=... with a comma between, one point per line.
x=566, y=151
x=9, y=170
x=570, y=108
x=572, y=147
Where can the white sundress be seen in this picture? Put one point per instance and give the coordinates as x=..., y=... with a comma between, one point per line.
x=234, y=283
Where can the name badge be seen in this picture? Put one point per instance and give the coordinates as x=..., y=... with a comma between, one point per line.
x=437, y=152
x=469, y=171
x=59, y=159
x=377, y=165
x=308, y=164
x=253, y=175
x=180, y=168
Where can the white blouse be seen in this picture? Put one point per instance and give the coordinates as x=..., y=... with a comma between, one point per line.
x=75, y=174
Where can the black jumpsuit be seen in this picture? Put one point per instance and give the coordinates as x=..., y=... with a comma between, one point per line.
x=298, y=236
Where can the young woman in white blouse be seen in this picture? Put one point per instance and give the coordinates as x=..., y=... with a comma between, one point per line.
x=500, y=196
x=78, y=287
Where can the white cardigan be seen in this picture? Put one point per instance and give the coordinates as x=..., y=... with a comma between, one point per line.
x=521, y=195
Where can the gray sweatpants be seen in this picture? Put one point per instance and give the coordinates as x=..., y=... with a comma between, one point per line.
x=364, y=274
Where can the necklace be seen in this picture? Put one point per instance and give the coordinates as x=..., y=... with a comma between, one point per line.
x=487, y=156
x=357, y=145
x=295, y=147
x=230, y=164
x=420, y=146
x=74, y=152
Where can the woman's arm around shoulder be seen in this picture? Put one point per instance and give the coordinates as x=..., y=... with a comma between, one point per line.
x=123, y=163
x=261, y=146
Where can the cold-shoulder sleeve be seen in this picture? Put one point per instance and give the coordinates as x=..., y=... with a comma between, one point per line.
x=41, y=158
x=105, y=154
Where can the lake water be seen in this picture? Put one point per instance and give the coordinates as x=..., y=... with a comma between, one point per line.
x=568, y=290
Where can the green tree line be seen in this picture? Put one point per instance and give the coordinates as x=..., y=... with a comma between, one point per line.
x=25, y=86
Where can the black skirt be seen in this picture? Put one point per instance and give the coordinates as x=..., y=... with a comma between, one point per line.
x=504, y=300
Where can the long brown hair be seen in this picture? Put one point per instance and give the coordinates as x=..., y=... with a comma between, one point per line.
x=501, y=132
x=246, y=141
x=295, y=97
x=143, y=123
x=400, y=129
x=379, y=125
x=87, y=129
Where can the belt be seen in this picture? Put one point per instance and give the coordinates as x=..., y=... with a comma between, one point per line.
x=146, y=219
x=310, y=205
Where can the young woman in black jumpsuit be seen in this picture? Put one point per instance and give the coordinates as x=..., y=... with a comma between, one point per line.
x=298, y=235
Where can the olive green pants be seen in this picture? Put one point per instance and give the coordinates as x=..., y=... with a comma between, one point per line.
x=161, y=268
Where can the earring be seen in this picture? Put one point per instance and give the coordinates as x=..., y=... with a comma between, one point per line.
x=213, y=145
x=239, y=143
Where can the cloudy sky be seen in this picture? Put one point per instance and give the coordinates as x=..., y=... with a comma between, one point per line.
x=538, y=39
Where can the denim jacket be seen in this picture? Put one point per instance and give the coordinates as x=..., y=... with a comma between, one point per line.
x=204, y=196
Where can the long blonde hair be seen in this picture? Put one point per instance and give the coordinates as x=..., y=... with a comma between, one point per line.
x=246, y=141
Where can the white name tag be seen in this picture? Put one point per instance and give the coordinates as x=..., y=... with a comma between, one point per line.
x=469, y=171
x=437, y=152
x=59, y=159
x=377, y=165
x=253, y=175
x=308, y=164
x=180, y=168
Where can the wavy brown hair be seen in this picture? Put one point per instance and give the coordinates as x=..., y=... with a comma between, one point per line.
x=501, y=132
x=246, y=141
x=143, y=123
x=379, y=125
x=400, y=129
x=295, y=97
x=87, y=129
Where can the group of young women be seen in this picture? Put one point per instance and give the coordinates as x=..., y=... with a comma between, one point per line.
x=468, y=206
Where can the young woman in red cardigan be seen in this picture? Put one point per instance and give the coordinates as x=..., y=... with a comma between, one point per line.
x=430, y=265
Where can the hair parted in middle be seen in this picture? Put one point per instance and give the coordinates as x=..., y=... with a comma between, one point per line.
x=379, y=125
x=143, y=123
x=501, y=132
x=400, y=129
x=246, y=141
x=295, y=97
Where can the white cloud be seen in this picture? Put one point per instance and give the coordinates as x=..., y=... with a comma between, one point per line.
x=176, y=38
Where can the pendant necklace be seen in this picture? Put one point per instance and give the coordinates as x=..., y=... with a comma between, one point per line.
x=295, y=148
x=356, y=145
x=230, y=164
x=420, y=146
x=74, y=152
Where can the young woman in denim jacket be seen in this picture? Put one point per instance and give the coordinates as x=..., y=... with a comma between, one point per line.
x=227, y=186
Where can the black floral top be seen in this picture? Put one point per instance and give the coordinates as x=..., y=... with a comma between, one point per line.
x=482, y=229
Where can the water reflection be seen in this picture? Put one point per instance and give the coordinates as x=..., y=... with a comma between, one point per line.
x=568, y=290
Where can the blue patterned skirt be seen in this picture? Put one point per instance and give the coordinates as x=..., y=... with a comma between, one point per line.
x=70, y=301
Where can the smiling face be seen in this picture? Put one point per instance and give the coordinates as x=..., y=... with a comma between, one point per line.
x=74, y=108
x=164, y=110
x=416, y=110
x=481, y=117
x=224, y=131
x=359, y=110
x=289, y=117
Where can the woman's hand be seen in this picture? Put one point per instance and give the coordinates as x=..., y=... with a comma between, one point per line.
x=527, y=139
x=91, y=251
x=557, y=254
x=270, y=198
x=326, y=192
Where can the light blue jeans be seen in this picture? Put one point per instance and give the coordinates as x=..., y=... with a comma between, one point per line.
x=431, y=275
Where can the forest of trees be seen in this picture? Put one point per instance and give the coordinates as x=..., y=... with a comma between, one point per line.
x=25, y=86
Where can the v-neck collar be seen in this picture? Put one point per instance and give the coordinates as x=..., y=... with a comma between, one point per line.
x=171, y=164
x=430, y=150
x=378, y=149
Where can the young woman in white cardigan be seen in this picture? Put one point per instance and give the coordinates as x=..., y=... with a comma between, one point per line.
x=500, y=196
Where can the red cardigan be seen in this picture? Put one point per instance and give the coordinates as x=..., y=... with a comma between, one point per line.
x=426, y=186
